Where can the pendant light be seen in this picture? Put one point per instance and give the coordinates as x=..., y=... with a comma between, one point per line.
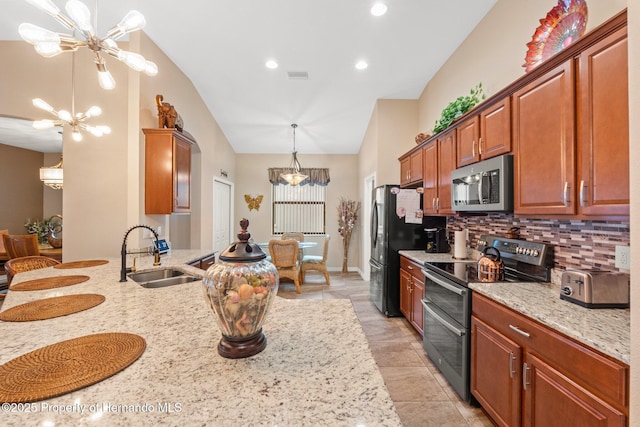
x=49, y=43
x=293, y=175
x=52, y=176
x=75, y=121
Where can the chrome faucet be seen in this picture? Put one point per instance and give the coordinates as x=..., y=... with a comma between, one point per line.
x=123, y=253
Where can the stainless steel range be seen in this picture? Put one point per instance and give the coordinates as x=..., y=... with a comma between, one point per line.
x=447, y=302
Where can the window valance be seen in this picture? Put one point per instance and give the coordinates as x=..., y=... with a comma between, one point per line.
x=319, y=176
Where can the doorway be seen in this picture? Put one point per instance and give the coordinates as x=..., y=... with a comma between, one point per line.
x=222, y=214
x=369, y=185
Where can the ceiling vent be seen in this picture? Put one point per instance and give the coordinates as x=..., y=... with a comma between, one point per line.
x=298, y=75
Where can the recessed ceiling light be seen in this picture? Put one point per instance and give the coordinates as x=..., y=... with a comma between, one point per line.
x=361, y=65
x=271, y=64
x=379, y=9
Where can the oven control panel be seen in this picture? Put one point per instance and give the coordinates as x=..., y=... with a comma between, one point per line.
x=535, y=253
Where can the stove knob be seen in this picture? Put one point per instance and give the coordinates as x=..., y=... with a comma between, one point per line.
x=528, y=252
x=567, y=290
x=518, y=250
x=535, y=252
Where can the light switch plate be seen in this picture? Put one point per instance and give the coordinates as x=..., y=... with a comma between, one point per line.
x=623, y=257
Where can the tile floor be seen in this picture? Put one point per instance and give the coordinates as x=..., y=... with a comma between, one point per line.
x=421, y=395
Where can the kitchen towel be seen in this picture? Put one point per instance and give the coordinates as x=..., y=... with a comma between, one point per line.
x=460, y=244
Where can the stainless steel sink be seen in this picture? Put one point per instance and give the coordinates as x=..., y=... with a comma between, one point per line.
x=169, y=281
x=147, y=276
x=161, y=278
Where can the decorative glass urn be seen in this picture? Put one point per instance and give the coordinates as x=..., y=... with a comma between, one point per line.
x=240, y=289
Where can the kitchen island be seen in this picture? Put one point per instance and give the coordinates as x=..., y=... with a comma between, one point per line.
x=317, y=368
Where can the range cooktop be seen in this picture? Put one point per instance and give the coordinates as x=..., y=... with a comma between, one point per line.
x=524, y=262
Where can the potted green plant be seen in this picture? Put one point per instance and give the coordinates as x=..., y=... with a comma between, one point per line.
x=458, y=108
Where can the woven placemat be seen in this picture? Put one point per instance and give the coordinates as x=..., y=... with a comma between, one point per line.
x=81, y=264
x=67, y=366
x=48, y=283
x=48, y=308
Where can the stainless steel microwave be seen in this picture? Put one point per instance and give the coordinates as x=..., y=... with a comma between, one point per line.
x=484, y=186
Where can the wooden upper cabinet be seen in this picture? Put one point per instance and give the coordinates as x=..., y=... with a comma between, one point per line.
x=446, y=164
x=468, y=138
x=543, y=138
x=485, y=135
x=495, y=129
x=411, y=169
x=603, y=127
x=430, y=177
x=167, y=171
x=438, y=160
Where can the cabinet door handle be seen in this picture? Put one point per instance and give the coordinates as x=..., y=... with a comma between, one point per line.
x=525, y=376
x=520, y=331
x=583, y=199
x=473, y=148
x=512, y=369
x=480, y=146
x=433, y=203
x=565, y=196
x=410, y=267
x=438, y=203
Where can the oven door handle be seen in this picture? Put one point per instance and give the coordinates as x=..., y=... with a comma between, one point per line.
x=444, y=284
x=449, y=326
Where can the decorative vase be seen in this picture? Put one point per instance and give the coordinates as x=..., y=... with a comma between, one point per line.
x=240, y=289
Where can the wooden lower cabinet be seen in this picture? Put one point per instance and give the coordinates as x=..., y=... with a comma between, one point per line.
x=524, y=373
x=411, y=292
x=553, y=399
x=495, y=381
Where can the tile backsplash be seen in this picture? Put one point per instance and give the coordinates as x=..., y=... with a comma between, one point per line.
x=577, y=244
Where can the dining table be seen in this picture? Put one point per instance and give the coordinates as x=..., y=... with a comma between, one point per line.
x=301, y=247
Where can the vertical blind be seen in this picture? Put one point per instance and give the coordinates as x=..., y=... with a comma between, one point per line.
x=299, y=208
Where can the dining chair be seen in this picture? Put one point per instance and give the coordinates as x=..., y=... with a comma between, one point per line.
x=20, y=245
x=284, y=255
x=27, y=263
x=315, y=262
x=295, y=236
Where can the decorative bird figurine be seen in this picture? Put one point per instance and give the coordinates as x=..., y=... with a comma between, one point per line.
x=253, y=202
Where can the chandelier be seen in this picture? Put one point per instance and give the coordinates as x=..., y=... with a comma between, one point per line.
x=292, y=174
x=52, y=176
x=49, y=43
x=75, y=121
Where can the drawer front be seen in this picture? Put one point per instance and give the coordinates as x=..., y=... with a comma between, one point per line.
x=207, y=262
x=411, y=267
x=603, y=376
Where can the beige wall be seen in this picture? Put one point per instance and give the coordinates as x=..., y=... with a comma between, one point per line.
x=21, y=191
x=252, y=179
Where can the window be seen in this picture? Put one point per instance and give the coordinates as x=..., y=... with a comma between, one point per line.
x=299, y=208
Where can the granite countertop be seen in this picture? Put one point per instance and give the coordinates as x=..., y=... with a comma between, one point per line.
x=316, y=369
x=605, y=330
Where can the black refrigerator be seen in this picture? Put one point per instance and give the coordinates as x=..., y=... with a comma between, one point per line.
x=390, y=234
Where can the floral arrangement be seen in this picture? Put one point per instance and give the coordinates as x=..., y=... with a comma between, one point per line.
x=347, y=217
x=39, y=227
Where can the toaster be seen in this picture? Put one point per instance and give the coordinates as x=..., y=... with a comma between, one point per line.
x=595, y=288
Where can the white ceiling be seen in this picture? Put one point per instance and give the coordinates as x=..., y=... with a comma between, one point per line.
x=222, y=46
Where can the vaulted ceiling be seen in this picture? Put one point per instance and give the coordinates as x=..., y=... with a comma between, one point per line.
x=222, y=46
